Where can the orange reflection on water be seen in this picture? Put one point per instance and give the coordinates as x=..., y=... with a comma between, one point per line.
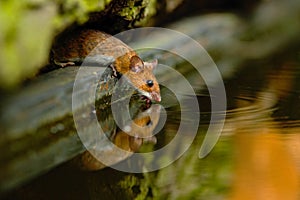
x=267, y=164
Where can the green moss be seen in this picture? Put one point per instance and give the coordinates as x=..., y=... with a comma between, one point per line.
x=143, y=184
x=77, y=11
x=149, y=12
x=27, y=30
x=140, y=13
x=129, y=12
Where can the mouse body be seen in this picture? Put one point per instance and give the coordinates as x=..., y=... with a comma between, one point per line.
x=96, y=47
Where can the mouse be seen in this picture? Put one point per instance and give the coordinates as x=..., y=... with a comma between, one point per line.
x=96, y=47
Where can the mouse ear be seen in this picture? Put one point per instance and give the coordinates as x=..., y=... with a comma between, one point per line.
x=136, y=64
x=152, y=64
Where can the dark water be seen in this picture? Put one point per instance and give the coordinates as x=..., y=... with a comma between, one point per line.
x=256, y=157
x=264, y=128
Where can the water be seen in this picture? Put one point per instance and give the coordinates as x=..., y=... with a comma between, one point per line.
x=264, y=127
x=256, y=157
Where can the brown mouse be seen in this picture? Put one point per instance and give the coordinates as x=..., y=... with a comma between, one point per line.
x=93, y=46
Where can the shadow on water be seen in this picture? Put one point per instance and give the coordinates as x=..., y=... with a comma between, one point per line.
x=257, y=156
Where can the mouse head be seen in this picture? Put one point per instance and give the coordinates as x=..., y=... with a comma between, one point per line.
x=141, y=76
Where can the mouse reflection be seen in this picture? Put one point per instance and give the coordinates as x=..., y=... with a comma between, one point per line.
x=123, y=143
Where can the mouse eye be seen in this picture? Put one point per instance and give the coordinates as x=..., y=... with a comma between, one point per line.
x=149, y=83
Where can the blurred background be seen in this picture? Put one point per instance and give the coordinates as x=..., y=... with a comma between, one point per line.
x=255, y=45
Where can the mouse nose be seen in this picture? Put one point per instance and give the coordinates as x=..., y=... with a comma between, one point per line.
x=149, y=83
